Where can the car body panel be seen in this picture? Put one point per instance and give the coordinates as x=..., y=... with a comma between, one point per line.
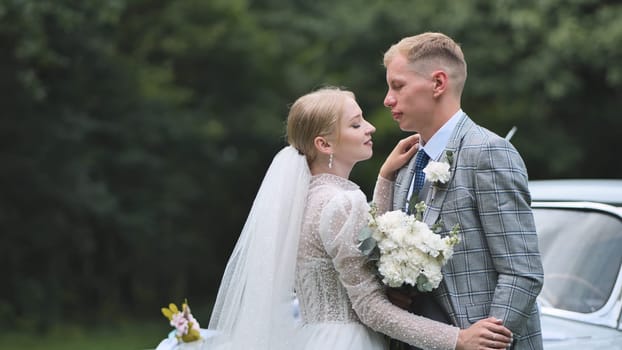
x=607, y=191
x=559, y=333
x=579, y=225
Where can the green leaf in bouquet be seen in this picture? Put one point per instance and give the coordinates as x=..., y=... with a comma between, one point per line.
x=420, y=209
x=365, y=233
x=412, y=203
x=454, y=238
x=367, y=246
x=437, y=227
x=374, y=256
x=423, y=284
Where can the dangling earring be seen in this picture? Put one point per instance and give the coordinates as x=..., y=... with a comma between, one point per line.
x=330, y=161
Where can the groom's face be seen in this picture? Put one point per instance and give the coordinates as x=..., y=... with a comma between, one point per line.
x=409, y=95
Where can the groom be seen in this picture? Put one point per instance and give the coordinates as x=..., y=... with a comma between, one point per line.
x=496, y=268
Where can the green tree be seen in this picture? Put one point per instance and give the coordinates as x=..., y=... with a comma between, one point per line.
x=134, y=133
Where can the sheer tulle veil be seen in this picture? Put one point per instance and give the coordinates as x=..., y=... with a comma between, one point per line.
x=253, y=309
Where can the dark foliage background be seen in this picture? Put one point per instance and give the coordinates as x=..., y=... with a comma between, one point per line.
x=134, y=133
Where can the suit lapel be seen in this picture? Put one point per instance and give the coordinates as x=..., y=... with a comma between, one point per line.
x=435, y=197
x=435, y=204
x=437, y=194
x=402, y=185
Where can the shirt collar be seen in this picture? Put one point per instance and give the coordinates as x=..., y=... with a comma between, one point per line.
x=438, y=142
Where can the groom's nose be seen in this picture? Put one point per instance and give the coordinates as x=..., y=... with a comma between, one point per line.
x=389, y=100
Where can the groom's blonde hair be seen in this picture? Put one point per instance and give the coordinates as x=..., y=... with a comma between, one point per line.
x=315, y=114
x=429, y=51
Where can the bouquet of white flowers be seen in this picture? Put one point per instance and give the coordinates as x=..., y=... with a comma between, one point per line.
x=405, y=249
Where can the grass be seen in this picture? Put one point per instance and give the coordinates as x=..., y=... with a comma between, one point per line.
x=130, y=336
x=126, y=333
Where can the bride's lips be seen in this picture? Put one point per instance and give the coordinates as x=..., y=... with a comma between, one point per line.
x=370, y=143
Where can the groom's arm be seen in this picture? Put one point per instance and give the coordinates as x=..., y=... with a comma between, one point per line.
x=508, y=226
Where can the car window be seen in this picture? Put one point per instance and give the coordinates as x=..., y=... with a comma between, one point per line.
x=581, y=253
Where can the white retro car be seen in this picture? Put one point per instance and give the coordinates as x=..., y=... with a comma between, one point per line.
x=579, y=225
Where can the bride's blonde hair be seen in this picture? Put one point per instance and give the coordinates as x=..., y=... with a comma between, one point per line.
x=315, y=114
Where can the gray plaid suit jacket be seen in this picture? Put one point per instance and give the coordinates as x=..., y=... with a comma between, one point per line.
x=496, y=268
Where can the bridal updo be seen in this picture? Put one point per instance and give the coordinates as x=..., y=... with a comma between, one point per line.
x=315, y=114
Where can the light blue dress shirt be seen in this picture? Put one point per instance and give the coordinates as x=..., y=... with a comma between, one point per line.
x=435, y=147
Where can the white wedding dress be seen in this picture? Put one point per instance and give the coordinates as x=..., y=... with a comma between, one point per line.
x=301, y=236
x=336, y=287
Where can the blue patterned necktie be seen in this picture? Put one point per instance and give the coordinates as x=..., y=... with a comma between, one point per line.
x=420, y=162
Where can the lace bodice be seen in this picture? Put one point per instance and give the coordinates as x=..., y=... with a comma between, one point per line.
x=334, y=282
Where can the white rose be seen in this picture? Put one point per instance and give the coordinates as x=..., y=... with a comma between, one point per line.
x=390, y=270
x=377, y=235
x=387, y=245
x=391, y=220
x=437, y=172
x=399, y=235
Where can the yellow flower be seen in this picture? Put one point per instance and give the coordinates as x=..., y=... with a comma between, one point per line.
x=170, y=311
x=187, y=327
x=192, y=335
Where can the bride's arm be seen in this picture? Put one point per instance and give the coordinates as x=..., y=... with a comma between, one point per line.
x=401, y=154
x=383, y=195
x=342, y=219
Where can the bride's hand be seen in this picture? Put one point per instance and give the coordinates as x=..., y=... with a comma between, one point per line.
x=488, y=333
x=401, y=154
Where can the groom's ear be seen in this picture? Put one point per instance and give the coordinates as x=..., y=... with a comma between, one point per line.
x=440, y=82
x=322, y=145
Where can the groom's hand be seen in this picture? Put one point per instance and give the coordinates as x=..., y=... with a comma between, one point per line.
x=399, y=298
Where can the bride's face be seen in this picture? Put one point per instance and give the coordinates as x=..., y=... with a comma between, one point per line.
x=355, y=141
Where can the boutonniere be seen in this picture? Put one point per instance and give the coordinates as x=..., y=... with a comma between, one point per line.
x=438, y=172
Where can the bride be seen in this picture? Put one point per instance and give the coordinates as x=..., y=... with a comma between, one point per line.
x=301, y=237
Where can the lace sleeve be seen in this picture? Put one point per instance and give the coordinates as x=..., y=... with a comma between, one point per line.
x=341, y=220
x=383, y=195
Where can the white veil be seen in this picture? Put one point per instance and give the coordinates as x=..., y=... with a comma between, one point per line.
x=253, y=309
